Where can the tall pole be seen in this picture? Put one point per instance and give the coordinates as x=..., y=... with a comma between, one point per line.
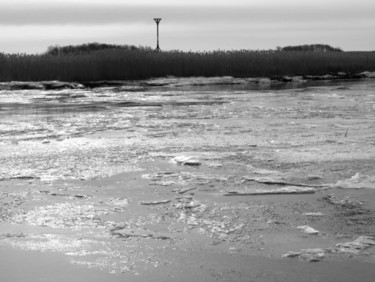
x=157, y=20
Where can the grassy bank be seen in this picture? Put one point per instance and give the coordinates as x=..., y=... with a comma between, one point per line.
x=127, y=64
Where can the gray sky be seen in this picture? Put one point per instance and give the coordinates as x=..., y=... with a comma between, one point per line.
x=31, y=26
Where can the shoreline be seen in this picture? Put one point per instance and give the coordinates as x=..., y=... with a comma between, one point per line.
x=171, y=81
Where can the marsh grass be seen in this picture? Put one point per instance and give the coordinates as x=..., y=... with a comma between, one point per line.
x=127, y=64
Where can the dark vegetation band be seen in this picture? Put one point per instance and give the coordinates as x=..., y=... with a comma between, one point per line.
x=93, y=62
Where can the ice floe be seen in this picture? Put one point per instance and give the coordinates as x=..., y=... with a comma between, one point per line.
x=357, y=181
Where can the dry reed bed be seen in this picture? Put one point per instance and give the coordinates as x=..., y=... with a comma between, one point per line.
x=119, y=64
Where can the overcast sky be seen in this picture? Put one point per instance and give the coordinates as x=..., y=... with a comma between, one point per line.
x=31, y=26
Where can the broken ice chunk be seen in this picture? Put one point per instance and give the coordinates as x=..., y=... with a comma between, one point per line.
x=186, y=160
x=307, y=229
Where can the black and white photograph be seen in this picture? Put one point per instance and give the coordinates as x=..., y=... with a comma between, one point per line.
x=186, y=140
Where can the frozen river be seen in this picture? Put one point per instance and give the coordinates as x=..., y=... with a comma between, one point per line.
x=122, y=179
x=94, y=133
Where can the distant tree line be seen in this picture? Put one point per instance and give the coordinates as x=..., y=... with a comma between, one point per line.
x=87, y=48
x=311, y=48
